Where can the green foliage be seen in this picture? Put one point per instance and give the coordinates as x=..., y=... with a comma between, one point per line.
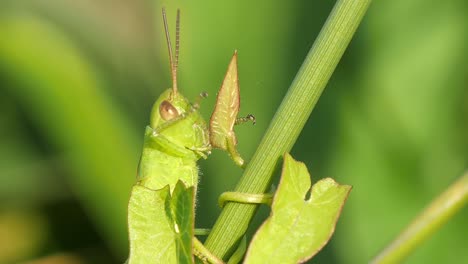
x=161, y=224
x=298, y=227
x=183, y=216
x=62, y=93
x=148, y=219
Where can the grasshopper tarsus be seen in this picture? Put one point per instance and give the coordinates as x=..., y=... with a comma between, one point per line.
x=199, y=98
x=203, y=94
x=247, y=118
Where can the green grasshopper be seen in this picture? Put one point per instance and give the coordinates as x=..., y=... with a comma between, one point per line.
x=176, y=137
x=175, y=140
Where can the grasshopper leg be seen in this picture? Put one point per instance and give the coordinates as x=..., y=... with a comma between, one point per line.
x=247, y=118
x=201, y=252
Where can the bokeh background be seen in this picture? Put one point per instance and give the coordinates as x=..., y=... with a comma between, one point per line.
x=78, y=79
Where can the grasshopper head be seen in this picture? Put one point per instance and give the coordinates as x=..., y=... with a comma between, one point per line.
x=175, y=118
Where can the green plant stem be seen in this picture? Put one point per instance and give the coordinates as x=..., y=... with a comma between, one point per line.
x=429, y=221
x=288, y=121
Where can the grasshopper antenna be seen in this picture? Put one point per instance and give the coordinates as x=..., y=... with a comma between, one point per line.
x=177, y=38
x=174, y=61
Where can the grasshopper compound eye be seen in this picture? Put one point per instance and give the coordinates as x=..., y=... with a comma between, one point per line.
x=168, y=111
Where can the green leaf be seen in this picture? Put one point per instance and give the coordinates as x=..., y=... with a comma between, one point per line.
x=297, y=228
x=182, y=207
x=161, y=225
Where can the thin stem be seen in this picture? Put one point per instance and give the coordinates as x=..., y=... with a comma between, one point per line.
x=429, y=221
x=289, y=120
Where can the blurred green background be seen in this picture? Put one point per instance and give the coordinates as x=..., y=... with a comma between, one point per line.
x=78, y=79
